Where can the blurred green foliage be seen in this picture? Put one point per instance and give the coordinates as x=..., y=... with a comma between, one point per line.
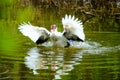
x=47, y=12
x=27, y=14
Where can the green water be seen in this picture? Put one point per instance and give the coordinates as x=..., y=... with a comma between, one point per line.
x=96, y=59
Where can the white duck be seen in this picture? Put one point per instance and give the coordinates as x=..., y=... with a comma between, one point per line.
x=73, y=30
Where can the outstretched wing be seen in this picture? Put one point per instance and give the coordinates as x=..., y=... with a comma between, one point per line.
x=36, y=34
x=73, y=28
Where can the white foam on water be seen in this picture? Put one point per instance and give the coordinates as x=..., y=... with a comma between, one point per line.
x=48, y=44
x=95, y=47
x=91, y=47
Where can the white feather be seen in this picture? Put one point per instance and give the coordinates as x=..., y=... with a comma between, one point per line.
x=32, y=32
x=75, y=25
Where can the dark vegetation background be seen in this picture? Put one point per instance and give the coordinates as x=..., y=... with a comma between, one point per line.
x=96, y=15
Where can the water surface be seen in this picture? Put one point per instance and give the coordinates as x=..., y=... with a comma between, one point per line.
x=96, y=59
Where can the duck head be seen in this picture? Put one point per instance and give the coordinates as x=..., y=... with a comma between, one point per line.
x=53, y=28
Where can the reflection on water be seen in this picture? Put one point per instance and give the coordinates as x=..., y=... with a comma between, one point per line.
x=4, y=72
x=50, y=60
x=55, y=60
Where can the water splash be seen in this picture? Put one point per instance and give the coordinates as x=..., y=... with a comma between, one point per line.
x=88, y=46
x=97, y=48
